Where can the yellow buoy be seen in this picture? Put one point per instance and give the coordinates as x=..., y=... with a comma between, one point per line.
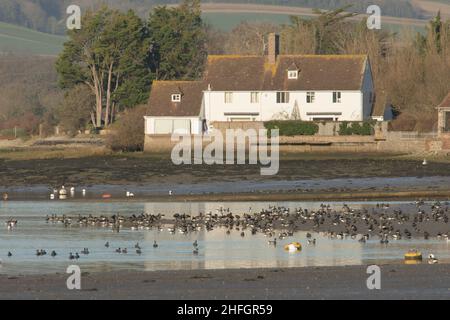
x=293, y=247
x=413, y=255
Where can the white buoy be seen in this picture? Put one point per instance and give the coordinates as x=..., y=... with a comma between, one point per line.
x=62, y=191
x=83, y=192
x=52, y=196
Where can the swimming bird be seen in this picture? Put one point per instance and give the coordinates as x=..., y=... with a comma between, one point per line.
x=170, y=192
x=53, y=254
x=425, y=162
x=107, y=244
x=273, y=242
x=85, y=251
x=195, y=244
x=195, y=252
x=155, y=245
x=432, y=259
x=138, y=251
x=137, y=246
x=77, y=256
x=9, y=254
x=129, y=194
x=71, y=256
x=119, y=250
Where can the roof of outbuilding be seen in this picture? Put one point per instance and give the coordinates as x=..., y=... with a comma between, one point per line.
x=446, y=102
x=160, y=102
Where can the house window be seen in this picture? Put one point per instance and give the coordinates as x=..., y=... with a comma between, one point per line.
x=254, y=97
x=310, y=97
x=176, y=97
x=337, y=97
x=292, y=74
x=228, y=97
x=282, y=97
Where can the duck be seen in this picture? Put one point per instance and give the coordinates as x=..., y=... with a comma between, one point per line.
x=9, y=254
x=139, y=251
x=53, y=254
x=432, y=259
x=313, y=241
x=137, y=246
x=71, y=256
x=425, y=162
x=119, y=250
x=195, y=244
x=107, y=244
x=125, y=251
x=85, y=251
x=155, y=245
x=272, y=242
x=129, y=194
x=195, y=252
x=77, y=256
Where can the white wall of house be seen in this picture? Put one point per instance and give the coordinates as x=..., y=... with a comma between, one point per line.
x=354, y=106
x=167, y=125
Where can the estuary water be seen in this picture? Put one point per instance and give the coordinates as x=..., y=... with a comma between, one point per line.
x=217, y=250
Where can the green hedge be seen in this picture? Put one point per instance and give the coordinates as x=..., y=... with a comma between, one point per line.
x=355, y=128
x=293, y=127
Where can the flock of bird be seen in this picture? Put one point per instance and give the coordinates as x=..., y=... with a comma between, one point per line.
x=278, y=223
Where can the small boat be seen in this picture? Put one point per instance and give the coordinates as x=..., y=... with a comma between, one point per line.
x=106, y=196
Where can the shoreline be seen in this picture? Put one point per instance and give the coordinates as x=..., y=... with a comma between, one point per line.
x=346, y=282
x=289, y=195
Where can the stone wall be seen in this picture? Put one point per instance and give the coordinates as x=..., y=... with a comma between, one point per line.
x=382, y=140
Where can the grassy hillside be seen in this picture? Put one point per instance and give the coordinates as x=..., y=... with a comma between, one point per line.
x=22, y=40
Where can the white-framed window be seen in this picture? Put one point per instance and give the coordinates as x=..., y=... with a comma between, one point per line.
x=176, y=97
x=254, y=97
x=282, y=97
x=337, y=97
x=228, y=97
x=292, y=74
x=310, y=97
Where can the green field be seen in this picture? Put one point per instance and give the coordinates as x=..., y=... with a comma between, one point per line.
x=17, y=39
x=227, y=21
x=22, y=40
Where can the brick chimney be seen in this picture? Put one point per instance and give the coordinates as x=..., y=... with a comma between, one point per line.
x=273, y=48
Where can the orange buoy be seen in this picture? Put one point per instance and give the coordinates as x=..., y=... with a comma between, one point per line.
x=106, y=196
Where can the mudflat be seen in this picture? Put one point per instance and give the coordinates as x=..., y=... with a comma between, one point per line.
x=349, y=282
x=119, y=169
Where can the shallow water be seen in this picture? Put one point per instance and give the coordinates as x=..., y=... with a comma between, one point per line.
x=37, y=192
x=216, y=249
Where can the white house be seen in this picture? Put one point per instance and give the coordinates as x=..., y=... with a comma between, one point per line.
x=263, y=88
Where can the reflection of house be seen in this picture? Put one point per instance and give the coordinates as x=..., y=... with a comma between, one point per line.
x=444, y=116
x=262, y=88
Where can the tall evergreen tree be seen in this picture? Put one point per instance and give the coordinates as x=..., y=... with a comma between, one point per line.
x=178, y=39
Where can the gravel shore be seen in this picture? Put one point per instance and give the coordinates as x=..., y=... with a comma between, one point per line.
x=397, y=282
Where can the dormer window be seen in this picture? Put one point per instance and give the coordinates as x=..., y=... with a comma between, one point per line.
x=176, y=97
x=292, y=74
